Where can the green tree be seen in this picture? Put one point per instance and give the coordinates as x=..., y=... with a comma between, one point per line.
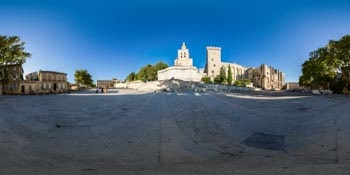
x=152, y=73
x=160, y=66
x=217, y=79
x=229, y=76
x=83, y=77
x=144, y=72
x=206, y=80
x=322, y=67
x=157, y=67
x=11, y=52
x=131, y=77
x=223, y=79
x=242, y=82
x=147, y=73
x=341, y=51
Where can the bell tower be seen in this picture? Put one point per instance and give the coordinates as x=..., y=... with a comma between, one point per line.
x=183, y=57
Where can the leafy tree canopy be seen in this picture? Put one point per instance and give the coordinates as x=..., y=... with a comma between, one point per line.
x=324, y=65
x=131, y=77
x=12, y=50
x=242, y=82
x=217, y=79
x=206, y=80
x=147, y=73
x=83, y=77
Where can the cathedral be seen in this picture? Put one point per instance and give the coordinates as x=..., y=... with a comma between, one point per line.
x=183, y=68
x=265, y=77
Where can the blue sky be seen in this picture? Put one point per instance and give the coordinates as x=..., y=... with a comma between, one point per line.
x=113, y=38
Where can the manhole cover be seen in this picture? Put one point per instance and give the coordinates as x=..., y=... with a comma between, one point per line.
x=265, y=141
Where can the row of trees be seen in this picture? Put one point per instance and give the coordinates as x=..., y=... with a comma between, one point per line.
x=222, y=78
x=147, y=73
x=328, y=66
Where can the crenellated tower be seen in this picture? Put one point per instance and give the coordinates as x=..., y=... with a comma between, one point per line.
x=213, y=61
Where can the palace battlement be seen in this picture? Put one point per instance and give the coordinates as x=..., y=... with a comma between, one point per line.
x=213, y=47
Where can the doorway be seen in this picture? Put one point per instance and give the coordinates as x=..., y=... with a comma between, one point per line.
x=54, y=86
x=23, y=89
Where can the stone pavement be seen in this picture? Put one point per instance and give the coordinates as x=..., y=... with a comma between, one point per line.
x=130, y=132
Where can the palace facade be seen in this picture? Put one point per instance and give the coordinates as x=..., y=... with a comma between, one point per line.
x=265, y=77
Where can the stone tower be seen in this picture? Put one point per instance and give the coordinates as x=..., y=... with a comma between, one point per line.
x=213, y=62
x=183, y=57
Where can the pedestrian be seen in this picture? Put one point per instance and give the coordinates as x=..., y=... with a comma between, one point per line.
x=96, y=90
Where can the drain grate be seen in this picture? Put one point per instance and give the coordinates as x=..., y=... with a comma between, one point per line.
x=265, y=141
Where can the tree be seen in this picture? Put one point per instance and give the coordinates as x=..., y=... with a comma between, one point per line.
x=217, y=79
x=223, y=79
x=11, y=52
x=324, y=65
x=131, y=77
x=229, y=76
x=144, y=72
x=157, y=67
x=242, y=82
x=147, y=73
x=160, y=66
x=316, y=72
x=206, y=80
x=83, y=77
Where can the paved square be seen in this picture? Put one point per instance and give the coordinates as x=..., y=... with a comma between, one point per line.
x=130, y=132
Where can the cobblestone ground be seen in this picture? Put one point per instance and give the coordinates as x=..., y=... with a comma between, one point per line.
x=129, y=132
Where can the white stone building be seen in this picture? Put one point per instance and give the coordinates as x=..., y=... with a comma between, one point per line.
x=183, y=68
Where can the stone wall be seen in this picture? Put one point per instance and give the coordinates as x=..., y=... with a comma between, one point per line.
x=179, y=85
x=181, y=73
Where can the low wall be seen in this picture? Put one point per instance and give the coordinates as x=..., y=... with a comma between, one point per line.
x=180, y=73
x=227, y=88
x=323, y=92
x=179, y=85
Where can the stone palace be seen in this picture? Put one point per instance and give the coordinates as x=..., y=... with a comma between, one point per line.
x=264, y=76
